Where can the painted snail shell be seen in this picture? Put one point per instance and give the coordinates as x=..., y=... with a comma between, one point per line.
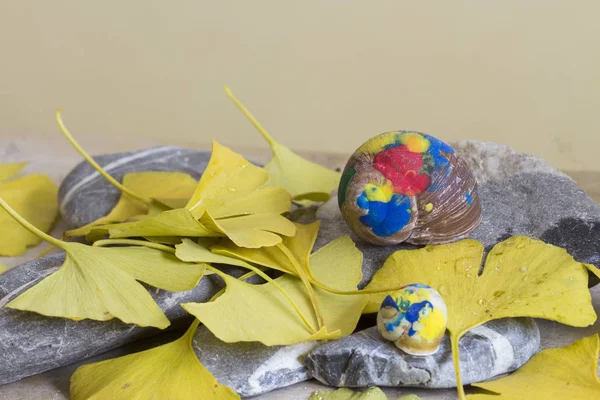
x=408, y=186
x=414, y=318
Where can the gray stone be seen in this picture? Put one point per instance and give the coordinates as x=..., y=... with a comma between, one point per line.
x=367, y=359
x=84, y=195
x=251, y=368
x=520, y=194
x=31, y=343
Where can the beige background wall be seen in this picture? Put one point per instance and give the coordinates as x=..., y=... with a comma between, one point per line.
x=320, y=75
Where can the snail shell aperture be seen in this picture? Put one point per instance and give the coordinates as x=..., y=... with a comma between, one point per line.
x=414, y=318
x=408, y=186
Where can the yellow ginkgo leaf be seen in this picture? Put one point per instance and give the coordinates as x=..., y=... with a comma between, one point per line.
x=170, y=371
x=553, y=374
x=101, y=283
x=372, y=393
x=179, y=222
x=522, y=277
x=304, y=179
x=3, y=268
x=251, y=231
x=33, y=196
x=233, y=317
x=300, y=246
x=10, y=170
x=171, y=188
x=293, y=257
x=228, y=201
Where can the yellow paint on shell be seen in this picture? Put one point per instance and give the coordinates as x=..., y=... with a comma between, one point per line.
x=433, y=325
x=415, y=142
x=428, y=207
x=377, y=144
x=416, y=296
x=374, y=192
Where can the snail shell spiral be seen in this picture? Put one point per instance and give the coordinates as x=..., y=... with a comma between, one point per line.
x=408, y=186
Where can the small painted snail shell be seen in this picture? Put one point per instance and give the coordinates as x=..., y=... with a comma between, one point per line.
x=414, y=318
x=408, y=186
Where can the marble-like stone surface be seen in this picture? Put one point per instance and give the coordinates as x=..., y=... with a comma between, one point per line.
x=520, y=194
x=85, y=196
x=31, y=343
x=251, y=368
x=366, y=359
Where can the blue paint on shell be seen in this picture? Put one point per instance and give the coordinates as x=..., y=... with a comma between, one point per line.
x=413, y=313
x=385, y=218
x=469, y=199
x=389, y=302
x=436, y=148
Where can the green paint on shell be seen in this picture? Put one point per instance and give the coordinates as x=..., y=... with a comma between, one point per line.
x=344, y=181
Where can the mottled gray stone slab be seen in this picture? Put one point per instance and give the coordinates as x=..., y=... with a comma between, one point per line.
x=84, y=195
x=31, y=343
x=366, y=359
x=520, y=194
x=252, y=368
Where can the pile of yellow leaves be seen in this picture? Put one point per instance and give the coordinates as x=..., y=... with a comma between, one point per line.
x=169, y=231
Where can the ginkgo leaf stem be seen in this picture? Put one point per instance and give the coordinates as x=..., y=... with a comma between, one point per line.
x=456, y=359
x=272, y=281
x=29, y=226
x=306, y=282
x=250, y=117
x=45, y=252
x=134, y=242
x=96, y=166
x=329, y=289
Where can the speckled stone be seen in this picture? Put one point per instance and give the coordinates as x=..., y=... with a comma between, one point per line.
x=521, y=195
x=251, y=368
x=367, y=359
x=84, y=195
x=31, y=343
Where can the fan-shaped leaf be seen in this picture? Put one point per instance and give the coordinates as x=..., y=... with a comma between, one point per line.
x=100, y=283
x=34, y=197
x=170, y=371
x=170, y=188
x=372, y=393
x=304, y=179
x=233, y=317
x=228, y=201
x=553, y=374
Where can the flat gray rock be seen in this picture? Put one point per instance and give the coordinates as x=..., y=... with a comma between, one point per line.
x=520, y=194
x=367, y=359
x=31, y=343
x=252, y=368
x=84, y=195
